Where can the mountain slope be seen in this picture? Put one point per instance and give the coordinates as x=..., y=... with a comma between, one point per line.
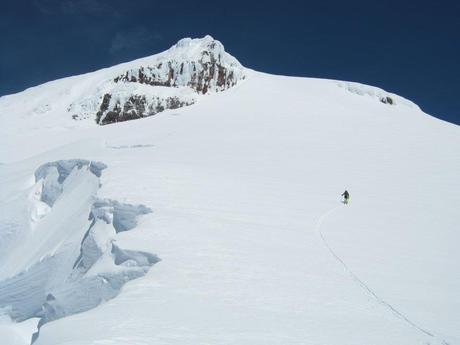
x=255, y=246
x=141, y=88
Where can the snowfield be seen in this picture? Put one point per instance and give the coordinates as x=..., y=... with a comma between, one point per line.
x=221, y=222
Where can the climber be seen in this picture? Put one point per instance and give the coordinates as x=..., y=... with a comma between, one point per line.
x=346, y=197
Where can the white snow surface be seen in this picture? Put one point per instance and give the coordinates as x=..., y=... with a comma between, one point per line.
x=244, y=188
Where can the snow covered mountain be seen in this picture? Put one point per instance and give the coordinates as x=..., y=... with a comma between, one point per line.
x=145, y=87
x=218, y=220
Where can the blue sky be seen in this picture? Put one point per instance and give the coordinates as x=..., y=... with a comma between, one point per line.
x=408, y=47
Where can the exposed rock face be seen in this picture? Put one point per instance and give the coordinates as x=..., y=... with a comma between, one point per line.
x=135, y=107
x=188, y=69
x=386, y=100
x=208, y=70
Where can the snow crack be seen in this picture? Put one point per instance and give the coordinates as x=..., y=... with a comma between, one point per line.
x=83, y=267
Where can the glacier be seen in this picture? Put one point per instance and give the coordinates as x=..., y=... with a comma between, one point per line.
x=219, y=221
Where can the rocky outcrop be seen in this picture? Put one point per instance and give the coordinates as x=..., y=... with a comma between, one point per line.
x=136, y=107
x=208, y=73
x=387, y=100
x=375, y=93
x=190, y=68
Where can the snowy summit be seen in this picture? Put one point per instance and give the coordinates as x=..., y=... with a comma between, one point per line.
x=185, y=199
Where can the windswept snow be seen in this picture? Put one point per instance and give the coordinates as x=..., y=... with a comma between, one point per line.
x=244, y=185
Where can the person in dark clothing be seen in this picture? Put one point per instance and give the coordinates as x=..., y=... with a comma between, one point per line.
x=346, y=197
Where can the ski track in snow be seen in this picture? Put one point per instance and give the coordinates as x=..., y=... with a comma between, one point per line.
x=366, y=287
x=135, y=146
